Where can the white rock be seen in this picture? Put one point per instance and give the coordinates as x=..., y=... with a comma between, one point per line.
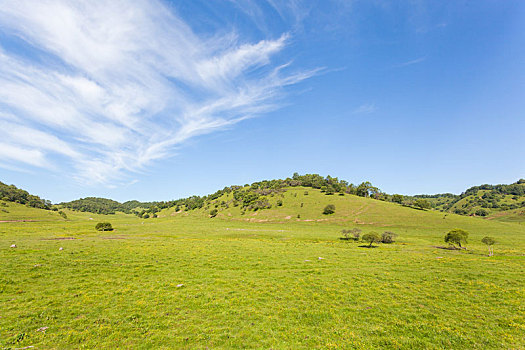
x=180, y=285
x=13, y=245
x=319, y=258
x=60, y=248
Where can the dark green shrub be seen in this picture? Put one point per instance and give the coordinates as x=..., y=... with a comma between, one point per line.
x=104, y=226
x=213, y=213
x=329, y=209
x=481, y=212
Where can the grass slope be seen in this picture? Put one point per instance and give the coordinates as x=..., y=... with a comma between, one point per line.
x=14, y=211
x=256, y=281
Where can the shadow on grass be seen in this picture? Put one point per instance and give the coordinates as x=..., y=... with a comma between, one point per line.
x=449, y=247
x=367, y=246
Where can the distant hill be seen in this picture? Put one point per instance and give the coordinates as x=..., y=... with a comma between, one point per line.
x=484, y=200
x=108, y=206
x=499, y=202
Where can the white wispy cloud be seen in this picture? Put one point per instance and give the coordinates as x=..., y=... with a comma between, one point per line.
x=411, y=62
x=111, y=86
x=365, y=109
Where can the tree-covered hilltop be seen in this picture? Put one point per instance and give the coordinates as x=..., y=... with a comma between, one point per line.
x=480, y=200
x=94, y=205
x=107, y=206
x=249, y=197
x=256, y=196
x=11, y=193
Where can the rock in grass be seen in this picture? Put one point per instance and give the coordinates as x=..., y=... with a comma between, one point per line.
x=319, y=258
x=13, y=245
x=42, y=329
x=60, y=248
x=180, y=285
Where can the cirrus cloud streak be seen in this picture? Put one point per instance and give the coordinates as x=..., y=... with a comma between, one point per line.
x=106, y=88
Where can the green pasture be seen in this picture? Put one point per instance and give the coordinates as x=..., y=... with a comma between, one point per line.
x=188, y=281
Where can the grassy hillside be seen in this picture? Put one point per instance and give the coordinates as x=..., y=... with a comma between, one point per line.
x=16, y=211
x=256, y=280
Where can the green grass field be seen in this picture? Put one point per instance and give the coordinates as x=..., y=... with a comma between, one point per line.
x=256, y=281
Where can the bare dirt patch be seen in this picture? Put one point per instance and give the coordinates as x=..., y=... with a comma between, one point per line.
x=58, y=238
x=18, y=220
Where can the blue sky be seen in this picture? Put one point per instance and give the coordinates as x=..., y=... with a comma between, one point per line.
x=157, y=100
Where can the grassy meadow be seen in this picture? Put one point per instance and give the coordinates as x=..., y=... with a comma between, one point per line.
x=278, y=278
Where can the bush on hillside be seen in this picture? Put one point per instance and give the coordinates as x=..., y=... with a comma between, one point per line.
x=329, y=209
x=104, y=226
x=482, y=212
x=213, y=213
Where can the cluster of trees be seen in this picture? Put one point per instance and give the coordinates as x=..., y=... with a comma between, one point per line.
x=517, y=189
x=457, y=238
x=354, y=234
x=11, y=193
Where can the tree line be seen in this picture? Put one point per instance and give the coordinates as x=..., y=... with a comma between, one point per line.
x=11, y=193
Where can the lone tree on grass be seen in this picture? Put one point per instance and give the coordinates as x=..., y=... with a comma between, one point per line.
x=104, y=226
x=329, y=209
x=213, y=213
x=456, y=237
x=489, y=241
x=371, y=237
